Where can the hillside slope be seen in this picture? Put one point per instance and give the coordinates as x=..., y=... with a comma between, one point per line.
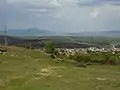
x=110, y=33
x=39, y=41
x=22, y=69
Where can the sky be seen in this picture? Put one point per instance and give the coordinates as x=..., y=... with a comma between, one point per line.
x=61, y=15
x=2, y=14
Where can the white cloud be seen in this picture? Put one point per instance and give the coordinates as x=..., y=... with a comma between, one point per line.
x=86, y=1
x=35, y=3
x=94, y=13
x=66, y=15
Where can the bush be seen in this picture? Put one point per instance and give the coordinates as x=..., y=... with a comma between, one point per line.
x=110, y=59
x=52, y=56
x=113, y=60
x=56, y=53
x=100, y=58
x=77, y=58
x=49, y=48
x=81, y=58
x=86, y=58
x=27, y=47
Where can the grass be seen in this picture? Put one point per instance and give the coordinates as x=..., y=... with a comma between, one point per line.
x=22, y=69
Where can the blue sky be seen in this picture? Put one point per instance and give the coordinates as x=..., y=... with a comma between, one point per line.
x=62, y=15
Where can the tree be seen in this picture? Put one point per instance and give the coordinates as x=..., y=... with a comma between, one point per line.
x=49, y=47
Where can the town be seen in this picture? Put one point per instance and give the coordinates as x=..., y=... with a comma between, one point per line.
x=87, y=50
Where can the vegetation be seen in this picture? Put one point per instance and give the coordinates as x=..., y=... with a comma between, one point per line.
x=63, y=41
x=101, y=58
x=49, y=48
x=90, y=57
x=26, y=69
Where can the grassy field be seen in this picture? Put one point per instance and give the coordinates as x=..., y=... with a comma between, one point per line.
x=22, y=69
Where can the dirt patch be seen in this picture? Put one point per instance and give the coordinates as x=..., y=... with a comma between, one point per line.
x=101, y=79
x=60, y=76
x=44, y=72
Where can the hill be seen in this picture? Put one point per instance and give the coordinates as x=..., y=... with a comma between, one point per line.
x=23, y=69
x=34, y=32
x=28, y=32
x=111, y=33
x=59, y=42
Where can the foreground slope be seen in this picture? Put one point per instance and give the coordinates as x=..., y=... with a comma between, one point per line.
x=22, y=69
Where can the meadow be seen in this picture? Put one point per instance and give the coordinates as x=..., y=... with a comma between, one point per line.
x=24, y=69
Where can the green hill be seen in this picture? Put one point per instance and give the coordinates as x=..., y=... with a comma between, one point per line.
x=22, y=69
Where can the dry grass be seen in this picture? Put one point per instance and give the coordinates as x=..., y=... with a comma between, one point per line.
x=39, y=73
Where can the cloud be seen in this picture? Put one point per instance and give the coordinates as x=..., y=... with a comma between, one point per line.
x=98, y=2
x=64, y=15
x=94, y=13
x=35, y=3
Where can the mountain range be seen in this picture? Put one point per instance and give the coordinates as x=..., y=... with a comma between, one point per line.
x=28, y=32
x=110, y=33
x=37, y=32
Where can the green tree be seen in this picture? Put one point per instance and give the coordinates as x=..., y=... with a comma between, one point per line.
x=49, y=47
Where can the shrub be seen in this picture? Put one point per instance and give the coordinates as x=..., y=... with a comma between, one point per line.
x=101, y=58
x=49, y=48
x=113, y=60
x=110, y=59
x=56, y=53
x=81, y=58
x=86, y=58
x=27, y=47
x=52, y=56
x=77, y=58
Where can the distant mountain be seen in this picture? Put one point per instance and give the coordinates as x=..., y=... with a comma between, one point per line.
x=81, y=34
x=112, y=33
x=115, y=33
x=28, y=32
x=36, y=32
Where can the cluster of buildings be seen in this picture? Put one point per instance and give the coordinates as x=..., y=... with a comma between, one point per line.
x=68, y=52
